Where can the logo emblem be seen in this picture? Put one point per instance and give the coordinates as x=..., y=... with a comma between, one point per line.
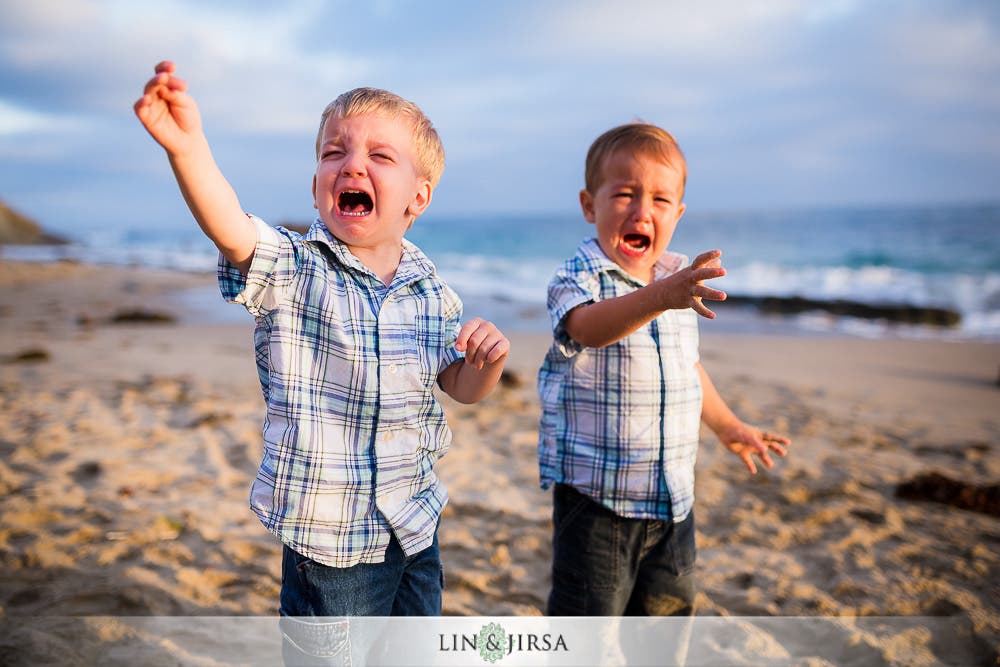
x=492, y=642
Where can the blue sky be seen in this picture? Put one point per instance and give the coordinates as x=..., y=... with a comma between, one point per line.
x=779, y=104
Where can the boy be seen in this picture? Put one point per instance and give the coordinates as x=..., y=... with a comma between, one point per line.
x=353, y=328
x=623, y=391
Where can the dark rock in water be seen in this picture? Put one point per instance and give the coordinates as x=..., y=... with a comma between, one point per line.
x=16, y=229
x=142, y=317
x=903, y=313
x=939, y=488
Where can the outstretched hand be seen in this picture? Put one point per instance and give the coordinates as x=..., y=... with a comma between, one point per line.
x=685, y=289
x=167, y=112
x=747, y=441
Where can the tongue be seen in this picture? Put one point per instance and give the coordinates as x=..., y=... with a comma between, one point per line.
x=355, y=202
x=636, y=241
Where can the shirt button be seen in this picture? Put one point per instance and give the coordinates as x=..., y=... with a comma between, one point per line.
x=392, y=369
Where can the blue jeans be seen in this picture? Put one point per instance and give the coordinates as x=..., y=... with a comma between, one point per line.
x=609, y=565
x=315, y=598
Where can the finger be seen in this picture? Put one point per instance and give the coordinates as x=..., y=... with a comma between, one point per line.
x=141, y=106
x=777, y=443
x=703, y=292
x=766, y=458
x=165, y=66
x=707, y=273
x=465, y=332
x=748, y=460
x=177, y=84
x=476, y=353
x=702, y=309
x=156, y=82
x=498, y=351
x=705, y=258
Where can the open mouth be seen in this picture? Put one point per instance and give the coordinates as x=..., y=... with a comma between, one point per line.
x=354, y=203
x=636, y=243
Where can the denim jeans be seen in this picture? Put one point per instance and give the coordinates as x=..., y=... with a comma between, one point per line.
x=315, y=598
x=609, y=565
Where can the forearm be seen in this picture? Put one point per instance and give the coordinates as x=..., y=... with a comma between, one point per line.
x=714, y=411
x=214, y=204
x=467, y=384
x=602, y=323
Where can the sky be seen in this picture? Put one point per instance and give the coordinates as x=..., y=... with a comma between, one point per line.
x=777, y=104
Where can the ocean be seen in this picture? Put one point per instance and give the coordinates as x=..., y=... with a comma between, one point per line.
x=915, y=272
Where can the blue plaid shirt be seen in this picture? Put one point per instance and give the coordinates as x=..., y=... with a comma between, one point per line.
x=620, y=423
x=348, y=367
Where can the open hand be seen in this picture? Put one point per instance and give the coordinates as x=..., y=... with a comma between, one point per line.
x=685, y=289
x=746, y=442
x=482, y=343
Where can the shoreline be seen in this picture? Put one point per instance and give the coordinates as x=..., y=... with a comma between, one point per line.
x=129, y=448
x=740, y=315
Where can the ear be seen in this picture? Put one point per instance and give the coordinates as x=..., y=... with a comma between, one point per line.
x=421, y=199
x=680, y=212
x=315, y=204
x=587, y=204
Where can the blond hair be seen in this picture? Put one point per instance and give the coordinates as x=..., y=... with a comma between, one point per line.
x=638, y=138
x=360, y=101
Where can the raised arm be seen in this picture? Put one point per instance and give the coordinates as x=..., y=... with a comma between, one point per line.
x=171, y=116
x=605, y=322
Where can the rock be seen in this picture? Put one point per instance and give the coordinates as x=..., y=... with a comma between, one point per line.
x=935, y=487
x=142, y=317
x=904, y=313
x=29, y=356
x=16, y=229
x=510, y=379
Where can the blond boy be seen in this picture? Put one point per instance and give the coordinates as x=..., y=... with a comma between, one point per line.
x=353, y=330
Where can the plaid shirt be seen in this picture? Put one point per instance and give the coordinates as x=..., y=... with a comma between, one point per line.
x=347, y=367
x=620, y=423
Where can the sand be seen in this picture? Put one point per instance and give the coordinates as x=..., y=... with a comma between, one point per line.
x=127, y=450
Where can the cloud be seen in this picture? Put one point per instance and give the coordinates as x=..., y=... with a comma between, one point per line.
x=710, y=31
x=250, y=69
x=788, y=99
x=15, y=120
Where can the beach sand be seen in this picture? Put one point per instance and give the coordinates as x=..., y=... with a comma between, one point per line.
x=127, y=450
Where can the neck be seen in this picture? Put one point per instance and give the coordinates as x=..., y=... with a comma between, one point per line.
x=382, y=261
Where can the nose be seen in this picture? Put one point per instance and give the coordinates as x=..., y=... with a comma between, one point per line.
x=642, y=210
x=353, y=165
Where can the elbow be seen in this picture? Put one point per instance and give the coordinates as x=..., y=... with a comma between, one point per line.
x=468, y=398
x=591, y=341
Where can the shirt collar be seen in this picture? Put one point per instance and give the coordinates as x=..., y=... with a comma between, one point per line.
x=668, y=264
x=413, y=265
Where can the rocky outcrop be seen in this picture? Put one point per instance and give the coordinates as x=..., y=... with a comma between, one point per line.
x=16, y=229
x=892, y=312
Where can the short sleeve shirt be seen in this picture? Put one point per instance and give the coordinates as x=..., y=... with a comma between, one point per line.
x=621, y=423
x=347, y=366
